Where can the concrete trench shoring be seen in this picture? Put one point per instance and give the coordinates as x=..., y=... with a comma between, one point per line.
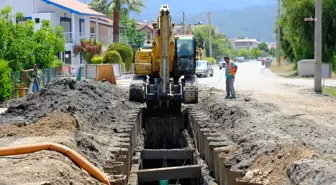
x=177, y=148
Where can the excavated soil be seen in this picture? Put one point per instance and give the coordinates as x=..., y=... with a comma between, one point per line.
x=269, y=144
x=83, y=116
x=283, y=148
x=55, y=123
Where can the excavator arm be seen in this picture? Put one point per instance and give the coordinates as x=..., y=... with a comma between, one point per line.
x=165, y=74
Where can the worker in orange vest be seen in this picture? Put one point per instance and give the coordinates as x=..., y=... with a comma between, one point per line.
x=230, y=72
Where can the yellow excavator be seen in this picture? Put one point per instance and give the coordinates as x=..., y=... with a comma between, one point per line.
x=200, y=54
x=165, y=73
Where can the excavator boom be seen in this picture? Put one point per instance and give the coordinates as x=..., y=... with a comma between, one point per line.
x=165, y=74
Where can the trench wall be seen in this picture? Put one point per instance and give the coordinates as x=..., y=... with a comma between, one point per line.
x=211, y=151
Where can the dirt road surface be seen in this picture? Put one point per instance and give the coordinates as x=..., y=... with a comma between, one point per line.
x=281, y=127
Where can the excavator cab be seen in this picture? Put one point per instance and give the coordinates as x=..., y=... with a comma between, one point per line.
x=185, y=55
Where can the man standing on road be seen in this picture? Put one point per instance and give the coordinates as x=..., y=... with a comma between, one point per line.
x=230, y=72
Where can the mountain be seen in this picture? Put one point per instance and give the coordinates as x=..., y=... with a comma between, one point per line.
x=246, y=18
x=253, y=21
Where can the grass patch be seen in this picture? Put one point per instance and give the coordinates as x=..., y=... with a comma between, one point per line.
x=331, y=91
x=286, y=70
x=283, y=70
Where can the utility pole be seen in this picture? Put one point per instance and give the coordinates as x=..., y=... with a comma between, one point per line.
x=183, y=29
x=318, y=46
x=210, y=34
x=278, y=38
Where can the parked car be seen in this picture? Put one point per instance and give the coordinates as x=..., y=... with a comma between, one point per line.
x=222, y=64
x=204, y=68
x=240, y=59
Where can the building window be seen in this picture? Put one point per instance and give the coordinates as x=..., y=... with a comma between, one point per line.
x=148, y=36
x=92, y=30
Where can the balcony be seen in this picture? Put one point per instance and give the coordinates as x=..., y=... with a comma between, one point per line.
x=105, y=40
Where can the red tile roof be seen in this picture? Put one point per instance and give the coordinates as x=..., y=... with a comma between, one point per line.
x=142, y=25
x=74, y=6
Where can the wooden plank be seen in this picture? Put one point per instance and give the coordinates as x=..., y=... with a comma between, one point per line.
x=166, y=154
x=178, y=172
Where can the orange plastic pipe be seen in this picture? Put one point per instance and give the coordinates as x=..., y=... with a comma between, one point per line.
x=78, y=159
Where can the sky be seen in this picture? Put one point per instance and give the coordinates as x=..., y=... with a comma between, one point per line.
x=193, y=6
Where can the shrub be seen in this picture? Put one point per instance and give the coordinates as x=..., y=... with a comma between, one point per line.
x=87, y=49
x=212, y=60
x=5, y=80
x=57, y=63
x=125, y=52
x=112, y=57
x=97, y=60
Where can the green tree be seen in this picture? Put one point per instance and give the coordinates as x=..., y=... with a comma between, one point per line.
x=18, y=41
x=297, y=35
x=135, y=38
x=272, y=52
x=245, y=53
x=5, y=80
x=263, y=46
x=256, y=52
x=220, y=43
x=117, y=6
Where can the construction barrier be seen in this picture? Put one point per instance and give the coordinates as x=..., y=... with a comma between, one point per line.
x=100, y=72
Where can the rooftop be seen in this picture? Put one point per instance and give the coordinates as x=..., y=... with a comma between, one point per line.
x=75, y=7
x=142, y=25
x=245, y=40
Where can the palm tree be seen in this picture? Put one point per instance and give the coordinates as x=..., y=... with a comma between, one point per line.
x=117, y=6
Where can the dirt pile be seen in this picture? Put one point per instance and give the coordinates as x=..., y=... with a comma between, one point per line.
x=42, y=168
x=55, y=123
x=93, y=103
x=269, y=140
x=83, y=116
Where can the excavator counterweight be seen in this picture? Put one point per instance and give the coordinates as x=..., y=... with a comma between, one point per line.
x=165, y=73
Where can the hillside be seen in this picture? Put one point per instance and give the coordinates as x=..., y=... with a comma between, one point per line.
x=254, y=19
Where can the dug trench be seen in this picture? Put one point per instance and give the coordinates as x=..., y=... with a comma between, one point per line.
x=227, y=143
x=176, y=149
x=213, y=142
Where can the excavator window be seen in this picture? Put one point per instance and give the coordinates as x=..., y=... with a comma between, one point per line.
x=185, y=53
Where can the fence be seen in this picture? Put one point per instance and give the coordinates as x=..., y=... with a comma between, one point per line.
x=23, y=78
x=50, y=74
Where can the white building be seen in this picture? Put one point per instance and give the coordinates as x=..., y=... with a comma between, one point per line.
x=238, y=44
x=76, y=18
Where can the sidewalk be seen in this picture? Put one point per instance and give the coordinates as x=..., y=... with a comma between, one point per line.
x=124, y=77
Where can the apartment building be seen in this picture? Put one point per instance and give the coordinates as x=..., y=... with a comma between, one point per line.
x=244, y=43
x=76, y=18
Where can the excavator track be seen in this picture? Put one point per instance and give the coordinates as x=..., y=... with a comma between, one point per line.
x=137, y=89
x=190, y=85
